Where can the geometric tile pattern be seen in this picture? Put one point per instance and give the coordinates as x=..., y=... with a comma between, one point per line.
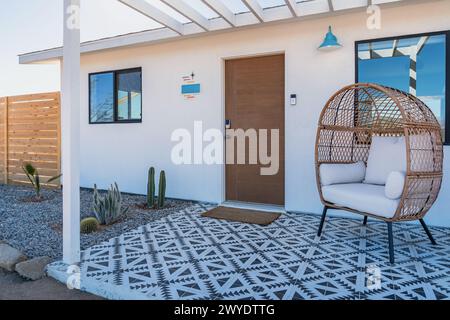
x=186, y=256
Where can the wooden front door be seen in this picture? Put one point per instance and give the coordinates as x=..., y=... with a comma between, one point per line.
x=255, y=99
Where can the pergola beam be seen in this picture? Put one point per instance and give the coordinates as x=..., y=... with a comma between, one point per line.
x=394, y=47
x=293, y=7
x=154, y=13
x=70, y=129
x=255, y=8
x=187, y=11
x=422, y=43
x=222, y=10
x=330, y=5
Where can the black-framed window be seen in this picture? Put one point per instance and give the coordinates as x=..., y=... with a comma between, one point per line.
x=418, y=64
x=115, y=96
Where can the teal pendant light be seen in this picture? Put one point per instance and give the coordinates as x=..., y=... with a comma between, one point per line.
x=330, y=42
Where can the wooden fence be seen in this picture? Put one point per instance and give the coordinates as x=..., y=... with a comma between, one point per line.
x=30, y=132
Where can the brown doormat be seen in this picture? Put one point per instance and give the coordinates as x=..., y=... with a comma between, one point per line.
x=262, y=218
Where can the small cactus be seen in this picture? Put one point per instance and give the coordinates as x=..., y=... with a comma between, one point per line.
x=89, y=225
x=151, y=188
x=108, y=209
x=162, y=189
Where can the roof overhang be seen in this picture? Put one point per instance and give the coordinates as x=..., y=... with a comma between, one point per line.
x=198, y=26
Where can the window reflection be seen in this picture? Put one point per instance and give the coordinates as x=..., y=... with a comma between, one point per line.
x=416, y=65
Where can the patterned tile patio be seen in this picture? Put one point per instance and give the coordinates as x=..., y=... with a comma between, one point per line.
x=186, y=256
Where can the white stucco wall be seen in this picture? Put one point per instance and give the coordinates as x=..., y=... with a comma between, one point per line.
x=123, y=152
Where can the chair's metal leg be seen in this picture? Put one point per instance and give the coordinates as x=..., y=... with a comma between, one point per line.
x=324, y=214
x=391, y=242
x=427, y=231
x=365, y=221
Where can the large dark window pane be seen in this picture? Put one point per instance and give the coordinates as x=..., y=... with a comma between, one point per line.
x=129, y=99
x=413, y=64
x=102, y=97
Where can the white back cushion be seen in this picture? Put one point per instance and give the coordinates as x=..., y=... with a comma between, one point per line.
x=386, y=154
x=334, y=173
x=394, y=185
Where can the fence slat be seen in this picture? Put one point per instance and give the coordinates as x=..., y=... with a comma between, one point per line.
x=32, y=134
x=3, y=131
x=35, y=97
x=30, y=131
x=5, y=161
x=33, y=111
x=32, y=142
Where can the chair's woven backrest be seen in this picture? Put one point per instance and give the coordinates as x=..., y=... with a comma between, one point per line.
x=358, y=112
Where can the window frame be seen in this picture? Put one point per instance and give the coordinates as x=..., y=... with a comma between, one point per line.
x=115, y=92
x=446, y=33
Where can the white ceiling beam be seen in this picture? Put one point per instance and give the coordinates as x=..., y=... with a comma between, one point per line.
x=222, y=10
x=330, y=5
x=187, y=11
x=255, y=8
x=293, y=7
x=154, y=13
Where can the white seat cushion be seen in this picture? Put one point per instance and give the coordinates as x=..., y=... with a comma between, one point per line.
x=386, y=154
x=361, y=197
x=335, y=173
x=394, y=185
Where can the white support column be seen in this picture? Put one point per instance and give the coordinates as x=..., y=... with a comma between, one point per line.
x=70, y=127
x=413, y=70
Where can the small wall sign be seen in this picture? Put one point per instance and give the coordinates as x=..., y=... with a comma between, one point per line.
x=190, y=88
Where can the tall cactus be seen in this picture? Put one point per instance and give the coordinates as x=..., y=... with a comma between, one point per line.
x=151, y=188
x=162, y=189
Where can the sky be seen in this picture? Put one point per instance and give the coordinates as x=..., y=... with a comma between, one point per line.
x=32, y=25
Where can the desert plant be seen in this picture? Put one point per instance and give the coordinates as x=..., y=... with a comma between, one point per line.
x=33, y=175
x=89, y=225
x=151, y=188
x=162, y=189
x=108, y=209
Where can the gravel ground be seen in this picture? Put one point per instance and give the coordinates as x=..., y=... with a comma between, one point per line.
x=35, y=228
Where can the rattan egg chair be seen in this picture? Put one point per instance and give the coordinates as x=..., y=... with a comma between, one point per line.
x=349, y=122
